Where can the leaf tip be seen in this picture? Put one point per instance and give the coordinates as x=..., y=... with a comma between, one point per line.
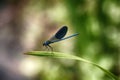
x=26, y=53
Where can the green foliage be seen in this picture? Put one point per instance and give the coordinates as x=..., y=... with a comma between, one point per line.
x=68, y=56
x=98, y=23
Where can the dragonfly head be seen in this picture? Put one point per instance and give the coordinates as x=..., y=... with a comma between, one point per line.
x=46, y=43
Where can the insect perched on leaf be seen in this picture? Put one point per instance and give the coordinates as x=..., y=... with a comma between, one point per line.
x=59, y=36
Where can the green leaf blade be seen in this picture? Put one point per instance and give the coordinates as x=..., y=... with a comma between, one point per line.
x=69, y=56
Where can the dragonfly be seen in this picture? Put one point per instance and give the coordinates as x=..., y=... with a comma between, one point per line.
x=59, y=36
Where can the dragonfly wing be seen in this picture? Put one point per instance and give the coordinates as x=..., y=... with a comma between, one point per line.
x=52, y=39
x=61, y=32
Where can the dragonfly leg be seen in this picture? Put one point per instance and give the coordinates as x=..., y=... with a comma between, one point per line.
x=47, y=48
x=50, y=48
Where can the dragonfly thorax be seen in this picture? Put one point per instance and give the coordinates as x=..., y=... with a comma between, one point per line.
x=46, y=43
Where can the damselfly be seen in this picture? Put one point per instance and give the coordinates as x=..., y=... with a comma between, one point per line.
x=59, y=36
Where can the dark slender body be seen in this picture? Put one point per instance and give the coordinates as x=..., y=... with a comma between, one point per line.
x=58, y=36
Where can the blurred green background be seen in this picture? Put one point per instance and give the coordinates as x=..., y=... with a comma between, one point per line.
x=26, y=24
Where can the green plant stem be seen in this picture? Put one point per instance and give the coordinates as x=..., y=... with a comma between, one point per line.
x=68, y=56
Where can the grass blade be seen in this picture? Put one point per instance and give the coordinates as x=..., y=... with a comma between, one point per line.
x=68, y=56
